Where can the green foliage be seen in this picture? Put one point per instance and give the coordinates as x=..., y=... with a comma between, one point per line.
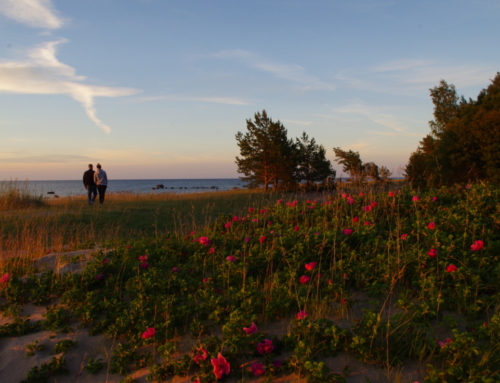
x=20, y=326
x=464, y=144
x=43, y=373
x=34, y=347
x=312, y=163
x=94, y=366
x=269, y=157
x=63, y=346
x=294, y=256
x=351, y=164
x=56, y=319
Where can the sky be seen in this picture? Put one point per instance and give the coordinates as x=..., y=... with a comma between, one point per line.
x=158, y=89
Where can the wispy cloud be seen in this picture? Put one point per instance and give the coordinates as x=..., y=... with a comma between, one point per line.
x=398, y=65
x=377, y=115
x=35, y=13
x=43, y=73
x=45, y=159
x=394, y=133
x=290, y=72
x=217, y=100
x=426, y=73
x=306, y=123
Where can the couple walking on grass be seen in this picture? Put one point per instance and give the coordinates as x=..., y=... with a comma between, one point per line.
x=95, y=182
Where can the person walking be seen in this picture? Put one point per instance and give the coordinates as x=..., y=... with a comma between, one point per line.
x=90, y=186
x=101, y=180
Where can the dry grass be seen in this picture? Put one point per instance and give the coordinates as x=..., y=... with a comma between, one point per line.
x=38, y=225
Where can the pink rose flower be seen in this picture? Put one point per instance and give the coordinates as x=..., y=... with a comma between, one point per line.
x=251, y=330
x=258, y=369
x=231, y=258
x=204, y=241
x=431, y=225
x=348, y=231
x=477, y=245
x=415, y=198
x=149, y=333
x=221, y=366
x=265, y=347
x=304, y=279
x=228, y=225
x=451, y=268
x=367, y=208
x=301, y=315
x=311, y=265
x=355, y=219
x=201, y=357
x=143, y=258
x=5, y=278
x=432, y=253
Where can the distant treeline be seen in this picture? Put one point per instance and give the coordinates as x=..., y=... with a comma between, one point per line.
x=463, y=146
x=269, y=158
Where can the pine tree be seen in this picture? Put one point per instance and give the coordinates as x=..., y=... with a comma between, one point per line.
x=312, y=163
x=351, y=163
x=267, y=156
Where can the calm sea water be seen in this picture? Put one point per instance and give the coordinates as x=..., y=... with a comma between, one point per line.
x=74, y=188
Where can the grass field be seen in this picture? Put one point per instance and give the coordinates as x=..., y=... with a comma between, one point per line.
x=371, y=284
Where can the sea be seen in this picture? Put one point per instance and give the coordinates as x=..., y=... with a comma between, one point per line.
x=76, y=188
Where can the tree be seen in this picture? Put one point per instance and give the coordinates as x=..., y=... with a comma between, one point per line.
x=371, y=170
x=312, y=165
x=385, y=173
x=351, y=163
x=445, y=100
x=268, y=157
x=464, y=143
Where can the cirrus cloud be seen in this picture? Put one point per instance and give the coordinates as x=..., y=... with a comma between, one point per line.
x=43, y=73
x=35, y=13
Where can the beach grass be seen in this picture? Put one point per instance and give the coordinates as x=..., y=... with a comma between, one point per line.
x=31, y=224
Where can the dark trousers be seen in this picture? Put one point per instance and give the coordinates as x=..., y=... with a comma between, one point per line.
x=92, y=192
x=102, y=190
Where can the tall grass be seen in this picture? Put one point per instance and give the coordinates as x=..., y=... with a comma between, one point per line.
x=16, y=195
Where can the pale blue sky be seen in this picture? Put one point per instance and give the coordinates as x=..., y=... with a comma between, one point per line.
x=159, y=88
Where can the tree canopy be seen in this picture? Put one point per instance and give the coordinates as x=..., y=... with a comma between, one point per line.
x=464, y=142
x=269, y=158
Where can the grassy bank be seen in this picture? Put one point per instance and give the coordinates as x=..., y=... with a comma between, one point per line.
x=405, y=282
x=31, y=224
